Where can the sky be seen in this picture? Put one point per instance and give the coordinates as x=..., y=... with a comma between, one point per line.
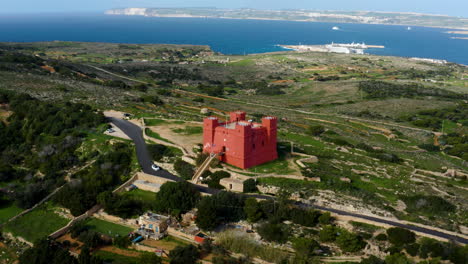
x=446, y=7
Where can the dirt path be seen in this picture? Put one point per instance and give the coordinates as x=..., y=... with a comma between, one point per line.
x=120, y=251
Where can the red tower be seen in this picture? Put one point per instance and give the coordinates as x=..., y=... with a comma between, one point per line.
x=241, y=143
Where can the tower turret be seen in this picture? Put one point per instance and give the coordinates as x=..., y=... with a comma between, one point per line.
x=237, y=116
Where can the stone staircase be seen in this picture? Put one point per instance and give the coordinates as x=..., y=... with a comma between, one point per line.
x=203, y=167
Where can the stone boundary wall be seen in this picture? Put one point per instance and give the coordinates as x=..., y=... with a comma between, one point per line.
x=127, y=183
x=66, y=228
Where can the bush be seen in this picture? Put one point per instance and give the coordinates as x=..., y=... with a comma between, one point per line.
x=122, y=242
x=152, y=99
x=276, y=232
x=316, y=130
x=184, y=169
x=400, y=236
x=184, y=255
x=328, y=234
x=349, y=242
x=325, y=218
x=250, y=186
x=429, y=147
x=381, y=237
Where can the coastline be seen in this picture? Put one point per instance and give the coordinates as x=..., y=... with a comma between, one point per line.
x=452, y=29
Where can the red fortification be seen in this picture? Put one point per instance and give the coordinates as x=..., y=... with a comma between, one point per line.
x=239, y=142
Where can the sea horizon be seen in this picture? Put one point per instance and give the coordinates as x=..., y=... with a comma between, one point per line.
x=232, y=36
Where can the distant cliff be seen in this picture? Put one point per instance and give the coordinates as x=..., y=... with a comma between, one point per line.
x=360, y=17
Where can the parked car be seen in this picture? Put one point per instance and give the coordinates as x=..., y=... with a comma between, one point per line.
x=155, y=167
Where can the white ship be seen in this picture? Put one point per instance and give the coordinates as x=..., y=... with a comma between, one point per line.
x=409, y=28
x=335, y=28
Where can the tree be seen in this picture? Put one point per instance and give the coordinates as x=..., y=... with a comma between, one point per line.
x=304, y=248
x=400, y=236
x=325, y=218
x=223, y=206
x=176, y=198
x=349, y=242
x=122, y=241
x=149, y=258
x=253, y=210
x=250, y=186
x=276, y=232
x=207, y=218
x=397, y=258
x=184, y=169
x=85, y=257
x=184, y=255
x=45, y=252
x=328, y=234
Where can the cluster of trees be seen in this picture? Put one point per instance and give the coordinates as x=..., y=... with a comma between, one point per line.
x=120, y=205
x=403, y=240
x=47, y=252
x=434, y=118
x=347, y=241
x=152, y=99
x=429, y=205
x=218, y=208
x=158, y=152
x=107, y=172
x=381, y=89
x=41, y=137
x=211, y=90
x=212, y=179
x=175, y=198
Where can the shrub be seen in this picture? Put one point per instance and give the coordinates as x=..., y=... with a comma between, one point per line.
x=184, y=255
x=381, y=237
x=276, y=232
x=316, y=130
x=400, y=236
x=184, y=169
x=349, y=242
x=250, y=186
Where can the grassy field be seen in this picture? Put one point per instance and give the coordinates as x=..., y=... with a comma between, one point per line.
x=141, y=195
x=108, y=228
x=37, y=224
x=8, y=212
x=155, y=135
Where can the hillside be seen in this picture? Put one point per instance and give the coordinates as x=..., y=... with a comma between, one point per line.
x=372, y=135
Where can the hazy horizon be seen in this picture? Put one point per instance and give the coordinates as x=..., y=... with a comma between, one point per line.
x=457, y=8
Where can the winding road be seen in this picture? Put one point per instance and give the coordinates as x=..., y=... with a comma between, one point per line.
x=136, y=134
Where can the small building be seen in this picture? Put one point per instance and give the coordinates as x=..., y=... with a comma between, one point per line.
x=152, y=225
x=232, y=184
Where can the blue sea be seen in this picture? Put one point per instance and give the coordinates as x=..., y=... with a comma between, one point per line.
x=231, y=36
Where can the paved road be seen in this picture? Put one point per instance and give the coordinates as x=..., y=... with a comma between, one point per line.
x=144, y=158
x=135, y=133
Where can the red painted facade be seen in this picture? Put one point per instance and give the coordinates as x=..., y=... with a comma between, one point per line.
x=242, y=143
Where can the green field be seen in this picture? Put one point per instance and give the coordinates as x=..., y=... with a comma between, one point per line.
x=8, y=212
x=37, y=224
x=108, y=228
x=141, y=195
